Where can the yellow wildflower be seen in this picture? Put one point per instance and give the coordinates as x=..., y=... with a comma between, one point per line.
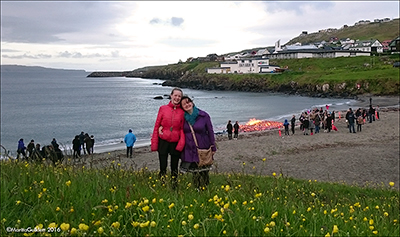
x=68, y=183
x=145, y=224
x=135, y=223
x=371, y=222
x=146, y=208
x=272, y=223
x=275, y=214
x=184, y=222
x=274, y=174
x=73, y=231
x=100, y=230
x=18, y=202
x=97, y=223
x=64, y=226
x=83, y=227
x=327, y=235
x=266, y=230
x=375, y=232
x=58, y=208
x=196, y=226
x=190, y=217
x=335, y=229
x=115, y=224
x=153, y=224
x=391, y=184
x=386, y=214
x=171, y=205
x=53, y=225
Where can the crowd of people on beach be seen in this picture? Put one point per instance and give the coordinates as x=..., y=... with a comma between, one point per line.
x=34, y=152
x=315, y=120
x=82, y=142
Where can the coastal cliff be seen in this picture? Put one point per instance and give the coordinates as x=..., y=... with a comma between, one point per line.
x=322, y=77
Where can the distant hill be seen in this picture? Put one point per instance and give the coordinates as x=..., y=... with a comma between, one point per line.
x=21, y=68
x=380, y=31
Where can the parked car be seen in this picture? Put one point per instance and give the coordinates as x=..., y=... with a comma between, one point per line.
x=396, y=64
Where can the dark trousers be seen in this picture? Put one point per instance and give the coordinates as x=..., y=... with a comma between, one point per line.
x=166, y=148
x=201, y=179
x=292, y=128
x=129, y=151
x=351, y=126
x=230, y=136
x=359, y=127
x=77, y=153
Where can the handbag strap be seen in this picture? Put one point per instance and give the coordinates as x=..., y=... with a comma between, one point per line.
x=194, y=136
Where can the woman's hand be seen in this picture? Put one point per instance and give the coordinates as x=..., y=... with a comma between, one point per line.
x=160, y=130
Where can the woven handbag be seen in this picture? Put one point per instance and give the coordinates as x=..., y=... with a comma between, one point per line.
x=205, y=155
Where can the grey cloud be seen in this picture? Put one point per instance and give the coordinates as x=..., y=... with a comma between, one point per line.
x=44, y=22
x=21, y=56
x=155, y=21
x=67, y=54
x=177, y=21
x=174, y=21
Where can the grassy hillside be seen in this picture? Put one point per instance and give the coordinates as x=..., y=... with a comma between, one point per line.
x=380, y=31
x=374, y=74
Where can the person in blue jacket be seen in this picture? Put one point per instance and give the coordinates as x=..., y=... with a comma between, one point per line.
x=129, y=140
x=21, y=149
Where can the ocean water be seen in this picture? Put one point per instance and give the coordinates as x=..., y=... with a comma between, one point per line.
x=44, y=104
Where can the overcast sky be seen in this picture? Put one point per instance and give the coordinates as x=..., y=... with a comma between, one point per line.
x=116, y=36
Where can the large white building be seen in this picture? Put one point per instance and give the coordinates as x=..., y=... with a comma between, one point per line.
x=244, y=65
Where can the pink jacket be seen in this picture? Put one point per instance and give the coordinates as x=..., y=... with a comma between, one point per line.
x=171, y=118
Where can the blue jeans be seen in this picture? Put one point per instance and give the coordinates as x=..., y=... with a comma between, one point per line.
x=351, y=125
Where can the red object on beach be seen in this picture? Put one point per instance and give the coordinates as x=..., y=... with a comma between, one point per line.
x=339, y=114
x=280, y=133
x=334, y=127
x=327, y=107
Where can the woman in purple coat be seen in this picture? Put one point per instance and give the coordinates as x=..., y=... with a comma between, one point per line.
x=203, y=129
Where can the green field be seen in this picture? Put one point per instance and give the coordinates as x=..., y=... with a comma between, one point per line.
x=117, y=201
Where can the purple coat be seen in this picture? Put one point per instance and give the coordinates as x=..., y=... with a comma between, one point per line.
x=204, y=134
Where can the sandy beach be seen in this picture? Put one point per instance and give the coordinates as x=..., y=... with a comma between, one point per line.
x=369, y=157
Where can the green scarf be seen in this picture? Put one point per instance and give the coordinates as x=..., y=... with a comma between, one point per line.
x=191, y=118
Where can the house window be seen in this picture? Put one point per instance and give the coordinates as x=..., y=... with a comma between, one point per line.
x=249, y=61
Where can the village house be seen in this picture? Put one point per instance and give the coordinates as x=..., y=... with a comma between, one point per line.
x=367, y=46
x=244, y=65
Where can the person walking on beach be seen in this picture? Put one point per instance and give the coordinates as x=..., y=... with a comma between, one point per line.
x=76, y=146
x=371, y=112
x=317, y=122
x=30, y=148
x=293, y=123
x=168, y=137
x=229, y=128
x=236, y=130
x=82, y=141
x=21, y=149
x=88, y=143
x=360, y=122
x=92, y=148
x=129, y=140
x=286, y=125
x=197, y=126
x=350, y=117
x=306, y=124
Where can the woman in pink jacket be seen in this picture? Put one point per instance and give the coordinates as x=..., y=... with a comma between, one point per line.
x=168, y=137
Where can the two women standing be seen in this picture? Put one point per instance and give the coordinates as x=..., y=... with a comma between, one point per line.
x=172, y=136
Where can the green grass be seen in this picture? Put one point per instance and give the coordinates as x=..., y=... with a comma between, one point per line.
x=120, y=201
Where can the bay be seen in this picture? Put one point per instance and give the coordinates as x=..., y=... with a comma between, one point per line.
x=42, y=104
